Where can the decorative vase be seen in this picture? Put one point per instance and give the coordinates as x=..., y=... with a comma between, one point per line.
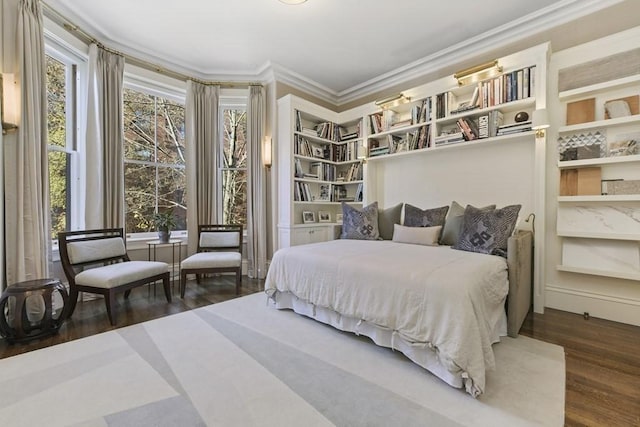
x=164, y=236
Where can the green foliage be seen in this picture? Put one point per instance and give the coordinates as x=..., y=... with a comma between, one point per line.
x=57, y=140
x=164, y=221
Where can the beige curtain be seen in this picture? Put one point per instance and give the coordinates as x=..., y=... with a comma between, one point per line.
x=27, y=191
x=202, y=136
x=104, y=184
x=256, y=185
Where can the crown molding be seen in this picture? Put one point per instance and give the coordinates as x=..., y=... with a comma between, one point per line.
x=529, y=25
x=556, y=14
x=298, y=81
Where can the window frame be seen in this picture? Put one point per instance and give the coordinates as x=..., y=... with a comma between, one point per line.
x=155, y=88
x=76, y=72
x=230, y=99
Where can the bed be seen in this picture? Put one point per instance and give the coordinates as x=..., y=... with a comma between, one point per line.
x=443, y=308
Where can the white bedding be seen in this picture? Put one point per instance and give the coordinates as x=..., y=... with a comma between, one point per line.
x=447, y=301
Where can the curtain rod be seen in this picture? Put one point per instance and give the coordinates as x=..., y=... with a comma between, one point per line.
x=87, y=38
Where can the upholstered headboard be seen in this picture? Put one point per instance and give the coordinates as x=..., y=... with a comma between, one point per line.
x=519, y=260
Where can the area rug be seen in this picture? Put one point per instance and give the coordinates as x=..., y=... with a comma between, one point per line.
x=244, y=363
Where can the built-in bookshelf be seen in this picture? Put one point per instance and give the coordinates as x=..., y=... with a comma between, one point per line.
x=321, y=167
x=599, y=160
x=497, y=107
x=406, y=127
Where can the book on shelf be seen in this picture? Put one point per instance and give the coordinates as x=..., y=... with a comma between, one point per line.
x=354, y=173
x=298, y=168
x=510, y=86
x=514, y=128
x=358, y=194
x=489, y=122
x=298, y=121
x=375, y=123
x=302, y=192
x=317, y=169
x=373, y=152
x=515, y=125
x=401, y=123
x=448, y=138
x=388, y=119
x=468, y=128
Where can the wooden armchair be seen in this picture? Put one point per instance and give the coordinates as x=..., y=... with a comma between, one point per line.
x=219, y=250
x=96, y=261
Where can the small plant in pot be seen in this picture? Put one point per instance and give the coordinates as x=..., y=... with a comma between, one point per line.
x=164, y=223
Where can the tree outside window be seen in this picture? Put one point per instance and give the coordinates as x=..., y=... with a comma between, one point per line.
x=234, y=166
x=154, y=152
x=58, y=155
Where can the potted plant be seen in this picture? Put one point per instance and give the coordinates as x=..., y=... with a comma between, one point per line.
x=164, y=223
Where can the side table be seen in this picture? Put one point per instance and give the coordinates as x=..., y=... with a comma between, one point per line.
x=17, y=321
x=151, y=255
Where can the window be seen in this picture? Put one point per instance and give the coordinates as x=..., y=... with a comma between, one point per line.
x=154, y=153
x=61, y=134
x=233, y=165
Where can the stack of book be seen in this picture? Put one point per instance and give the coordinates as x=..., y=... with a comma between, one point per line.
x=514, y=128
x=378, y=151
x=448, y=138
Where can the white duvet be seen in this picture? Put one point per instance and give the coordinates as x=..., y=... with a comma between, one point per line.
x=450, y=301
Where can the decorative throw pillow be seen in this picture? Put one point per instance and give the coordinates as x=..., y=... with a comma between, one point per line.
x=427, y=236
x=387, y=218
x=360, y=224
x=487, y=231
x=453, y=223
x=416, y=217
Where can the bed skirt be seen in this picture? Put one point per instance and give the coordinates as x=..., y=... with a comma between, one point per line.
x=420, y=354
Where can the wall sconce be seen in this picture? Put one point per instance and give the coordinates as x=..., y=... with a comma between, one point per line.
x=293, y=1
x=392, y=101
x=266, y=152
x=478, y=73
x=9, y=100
x=539, y=122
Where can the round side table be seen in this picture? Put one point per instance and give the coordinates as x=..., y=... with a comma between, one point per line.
x=22, y=320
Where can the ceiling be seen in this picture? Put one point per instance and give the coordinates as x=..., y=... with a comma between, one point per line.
x=338, y=48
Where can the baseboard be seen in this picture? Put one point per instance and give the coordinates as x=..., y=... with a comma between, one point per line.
x=624, y=310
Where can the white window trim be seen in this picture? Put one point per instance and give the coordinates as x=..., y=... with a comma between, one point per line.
x=147, y=85
x=230, y=99
x=70, y=55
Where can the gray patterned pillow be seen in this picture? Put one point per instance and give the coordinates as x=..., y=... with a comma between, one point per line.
x=360, y=224
x=487, y=231
x=416, y=217
x=453, y=223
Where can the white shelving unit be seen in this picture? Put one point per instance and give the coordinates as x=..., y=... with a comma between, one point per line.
x=595, y=272
x=436, y=126
x=592, y=225
x=315, y=173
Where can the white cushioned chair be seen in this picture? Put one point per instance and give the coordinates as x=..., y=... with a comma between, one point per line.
x=219, y=251
x=96, y=261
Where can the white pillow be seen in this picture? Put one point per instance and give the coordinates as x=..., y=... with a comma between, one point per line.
x=427, y=236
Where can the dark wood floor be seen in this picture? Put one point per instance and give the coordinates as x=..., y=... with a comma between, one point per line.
x=603, y=366
x=602, y=357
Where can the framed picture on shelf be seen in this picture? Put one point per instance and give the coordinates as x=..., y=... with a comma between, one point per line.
x=308, y=217
x=325, y=193
x=324, y=216
x=339, y=218
x=317, y=151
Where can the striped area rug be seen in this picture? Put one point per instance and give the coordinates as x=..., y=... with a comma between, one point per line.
x=243, y=363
